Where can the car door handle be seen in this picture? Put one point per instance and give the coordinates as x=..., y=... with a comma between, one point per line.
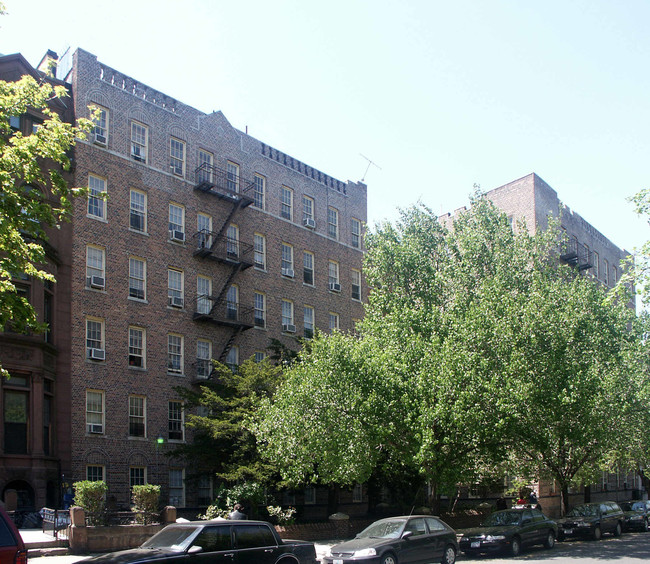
x=268, y=550
x=230, y=554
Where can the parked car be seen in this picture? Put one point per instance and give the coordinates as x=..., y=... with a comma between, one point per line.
x=636, y=515
x=409, y=539
x=216, y=542
x=509, y=531
x=12, y=547
x=592, y=520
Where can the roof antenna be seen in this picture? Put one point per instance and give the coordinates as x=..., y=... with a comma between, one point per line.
x=369, y=163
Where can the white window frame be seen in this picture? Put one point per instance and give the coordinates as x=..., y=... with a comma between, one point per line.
x=286, y=203
x=203, y=231
x=333, y=223
x=596, y=264
x=287, y=260
x=92, y=325
x=139, y=142
x=92, y=474
x=177, y=154
x=175, y=408
x=355, y=233
x=176, y=500
x=259, y=191
x=259, y=309
x=232, y=302
x=309, y=321
x=137, y=208
x=232, y=241
x=308, y=269
x=137, y=347
x=137, y=277
x=100, y=125
x=203, y=358
x=287, y=312
x=232, y=358
x=97, y=187
x=175, y=288
x=176, y=221
x=356, y=284
x=142, y=480
x=205, y=174
x=307, y=208
x=94, y=415
x=333, y=272
x=334, y=321
x=138, y=413
x=175, y=354
x=203, y=294
x=260, y=356
x=259, y=244
x=93, y=266
x=232, y=176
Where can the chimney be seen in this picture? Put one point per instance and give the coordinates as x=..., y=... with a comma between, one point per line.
x=48, y=64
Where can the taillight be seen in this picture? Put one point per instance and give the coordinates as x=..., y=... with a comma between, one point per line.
x=21, y=557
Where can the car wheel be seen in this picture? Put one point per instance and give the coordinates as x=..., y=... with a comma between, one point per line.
x=550, y=540
x=596, y=533
x=515, y=546
x=618, y=530
x=389, y=558
x=449, y=555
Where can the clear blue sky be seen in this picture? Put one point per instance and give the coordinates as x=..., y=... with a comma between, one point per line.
x=440, y=94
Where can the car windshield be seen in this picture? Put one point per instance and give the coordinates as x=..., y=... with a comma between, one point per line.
x=628, y=506
x=583, y=511
x=503, y=519
x=172, y=538
x=385, y=529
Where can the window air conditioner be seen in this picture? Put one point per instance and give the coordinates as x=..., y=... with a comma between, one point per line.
x=176, y=235
x=96, y=428
x=136, y=153
x=335, y=287
x=309, y=222
x=288, y=328
x=287, y=272
x=96, y=354
x=176, y=301
x=100, y=139
x=97, y=282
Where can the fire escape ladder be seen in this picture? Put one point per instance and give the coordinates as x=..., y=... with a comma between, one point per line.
x=229, y=343
x=236, y=267
x=235, y=206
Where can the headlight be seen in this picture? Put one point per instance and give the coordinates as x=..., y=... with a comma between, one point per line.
x=495, y=538
x=365, y=552
x=636, y=518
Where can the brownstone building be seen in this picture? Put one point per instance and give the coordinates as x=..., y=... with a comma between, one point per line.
x=207, y=244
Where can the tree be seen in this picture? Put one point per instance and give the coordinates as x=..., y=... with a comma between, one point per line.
x=34, y=194
x=638, y=269
x=221, y=445
x=443, y=372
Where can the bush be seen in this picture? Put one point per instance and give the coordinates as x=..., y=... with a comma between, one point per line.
x=91, y=497
x=282, y=516
x=145, y=503
x=249, y=494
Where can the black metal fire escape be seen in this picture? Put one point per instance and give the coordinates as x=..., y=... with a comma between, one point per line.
x=576, y=255
x=224, y=249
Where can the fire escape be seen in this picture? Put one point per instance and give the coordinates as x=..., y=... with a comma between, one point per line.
x=576, y=255
x=222, y=307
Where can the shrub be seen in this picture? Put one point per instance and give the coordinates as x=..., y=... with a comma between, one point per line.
x=145, y=502
x=281, y=516
x=91, y=496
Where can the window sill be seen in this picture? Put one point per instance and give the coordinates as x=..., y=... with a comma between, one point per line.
x=176, y=374
x=139, y=300
x=139, y=232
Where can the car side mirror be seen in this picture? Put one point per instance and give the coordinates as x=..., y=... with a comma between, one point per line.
x=194, y=549
x=407, y=534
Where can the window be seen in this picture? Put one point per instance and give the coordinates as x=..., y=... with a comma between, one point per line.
x=334, y=321
x=96, y=201
x=137, y=344
x=94, y=473
x=232, y=176
x=357, y=493
x=259, y=356
x=287, y=316
x=100, y=131
x=204, y=172
x=355, y=231
x=137, y=278
x=176, y=222
x=137, y=476
x=203, y=293
x=356, y=285
x=16, y=419
x=259, y=191
x=138, y=209
x=176, y=427
x=308, y=321
x=232, y=241
x=287, y=260
x=260, y=251
x=205, y=495
x=175, y=287
x=203, y=358
x=596, y=265
x=95, y=339
x=232, y=358
x=260, y=309
x=175, y=353
x=614, y=275
x=94, y=411
x=139, y=141
x=232, y=302
x=308, y=212
x=606, y=271
x=333, y=223
x=333, y=276
x=48, y=310
x=204, y=231
x=177, y=156
x=95, y=267
x=308, y=268
x=137, y=419
x=286, y=202
x=310, y=495
x=176, y=487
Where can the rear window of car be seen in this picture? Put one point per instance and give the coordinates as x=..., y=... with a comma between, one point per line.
x=434, y=524
x=214, y=539
x=6, y=536
x=252, y=536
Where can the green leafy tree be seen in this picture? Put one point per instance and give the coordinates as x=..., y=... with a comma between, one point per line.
x=221, y=445
x=34, y=194
x=638, y=268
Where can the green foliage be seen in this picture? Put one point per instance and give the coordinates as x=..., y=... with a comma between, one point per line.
x=91, y=497
x=34, y=195
x=222, y=445
x=637, y=272
x=146, y=499
x=249, y=494
x=281, y=516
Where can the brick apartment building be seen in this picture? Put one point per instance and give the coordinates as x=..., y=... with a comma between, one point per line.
x=209, y=244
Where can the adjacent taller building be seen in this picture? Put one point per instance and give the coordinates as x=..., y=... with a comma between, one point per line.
x=196, y=242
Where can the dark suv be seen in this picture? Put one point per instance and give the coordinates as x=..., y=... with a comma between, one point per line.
x=12, y=547
x=592, y=520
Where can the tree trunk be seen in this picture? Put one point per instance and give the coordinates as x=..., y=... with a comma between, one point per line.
x=564, y=500
x=333, y=499
x=587, y=494
x=434, y=502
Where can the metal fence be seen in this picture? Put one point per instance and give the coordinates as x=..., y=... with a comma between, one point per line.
x=55, y=522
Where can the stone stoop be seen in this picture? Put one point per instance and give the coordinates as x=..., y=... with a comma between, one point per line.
x=35, y=552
